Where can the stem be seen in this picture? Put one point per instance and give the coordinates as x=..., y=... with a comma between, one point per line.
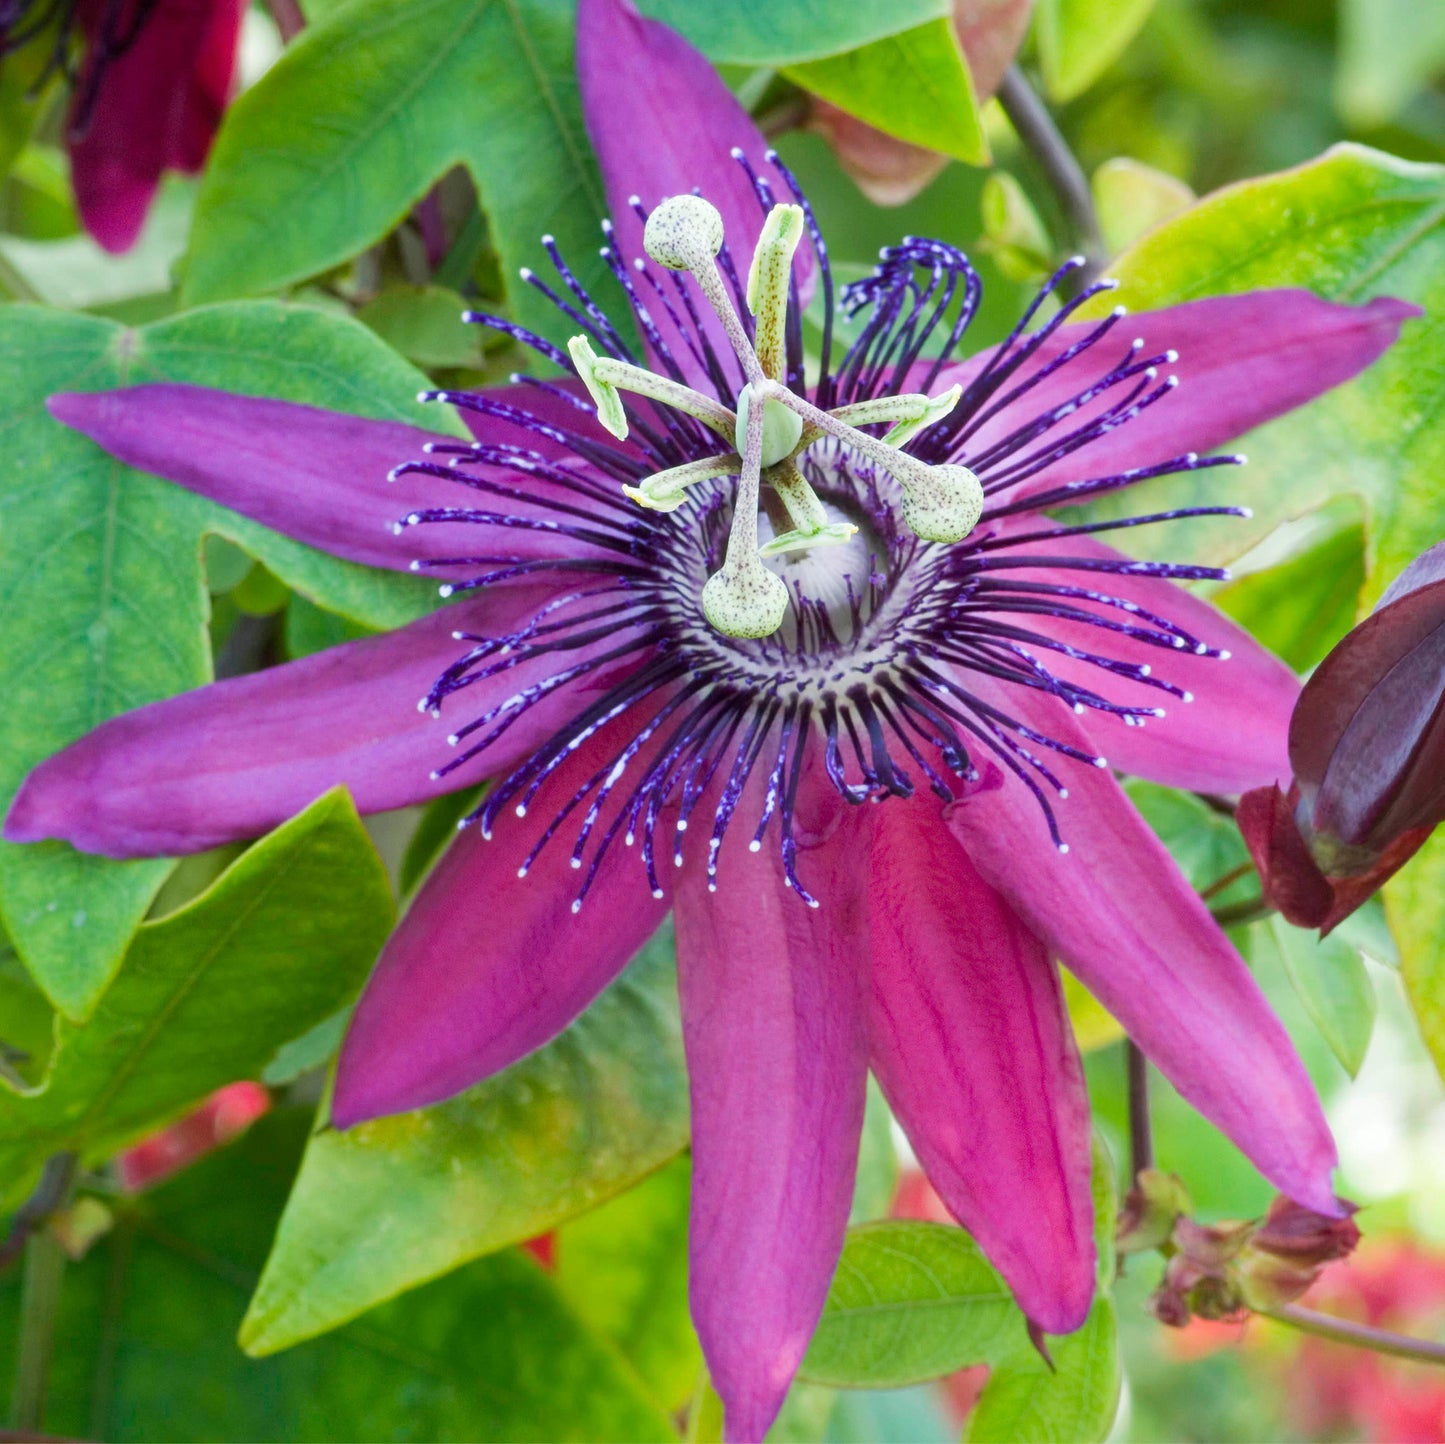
x=1362, y=1336
x=1141, y=1138
x=50, y=1194
x=1220, y=883
x=1252, y=910
x=1036, y=128
x=40, y=1294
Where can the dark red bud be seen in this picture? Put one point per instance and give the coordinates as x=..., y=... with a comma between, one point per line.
x=1367, y=739
x=1289, y=877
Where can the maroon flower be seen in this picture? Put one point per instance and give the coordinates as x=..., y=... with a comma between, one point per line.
x=1367, y=747
x=150, y=87
x=854, y=716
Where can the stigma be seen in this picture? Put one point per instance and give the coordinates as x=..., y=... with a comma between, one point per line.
x=762, y=441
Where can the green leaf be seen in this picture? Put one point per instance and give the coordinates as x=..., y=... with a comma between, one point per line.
x=1301, y=605
x=1389, y=50
x=1351, y=225
x=1132, y=198
x=786, y=34
x=27, y=1023
x=393, y=96
x=576, y=1122
x=913, y=85
x=425, y=324
x=624, y=1268
x=20, y=105
x=1415, y=906
x=911, y=1301
x=877, y=1182
x=437, y=827
x=148, y=1323
x=100, y=575
x=205, y=996
x=1333, y=984
x=1080, y=39
x=1205, y=843
x=1073, y=1403
x=309, y=629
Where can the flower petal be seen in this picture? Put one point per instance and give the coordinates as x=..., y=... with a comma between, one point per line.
x=158, y=106
x=237, y=758
x=974, y=1051
x=1242, y=360
x=663, y=123
x=1231, y=737
x=1118, y=912
x=319, y=476
x=486, y=966
x=774, y=1023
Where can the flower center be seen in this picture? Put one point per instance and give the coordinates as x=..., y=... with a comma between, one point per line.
x=749, y=595
x=837, y=584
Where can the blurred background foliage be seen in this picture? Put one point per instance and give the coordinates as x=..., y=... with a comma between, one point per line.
x=394, y=1274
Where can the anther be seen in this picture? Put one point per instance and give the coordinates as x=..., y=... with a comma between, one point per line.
x=767, y=293
x=604, y=395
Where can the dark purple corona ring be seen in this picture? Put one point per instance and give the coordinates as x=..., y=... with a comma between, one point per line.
x=883, y=631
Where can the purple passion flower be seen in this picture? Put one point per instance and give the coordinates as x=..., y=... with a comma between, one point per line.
x=789, y=645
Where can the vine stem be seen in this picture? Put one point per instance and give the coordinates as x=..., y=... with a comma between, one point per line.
x=1035, y=126
x=1141, y=1135
x=40, y=1297
x=1361, y=1336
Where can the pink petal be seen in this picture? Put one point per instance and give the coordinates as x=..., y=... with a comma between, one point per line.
x=1117, y=910
x=157, y=108
x=319, y=476
x=1242, y=360
x=486, y=966
x=237, y=758
x=974, y=1051
x=1233, y=736
x=662, y=122
x=774, y=1023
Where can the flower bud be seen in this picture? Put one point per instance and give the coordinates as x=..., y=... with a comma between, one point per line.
x=1367, y=744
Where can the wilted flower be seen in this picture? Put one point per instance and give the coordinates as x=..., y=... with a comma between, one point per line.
x=1367, y=747
x=1218, y=1271
x=150, y=78
x=719, y=629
